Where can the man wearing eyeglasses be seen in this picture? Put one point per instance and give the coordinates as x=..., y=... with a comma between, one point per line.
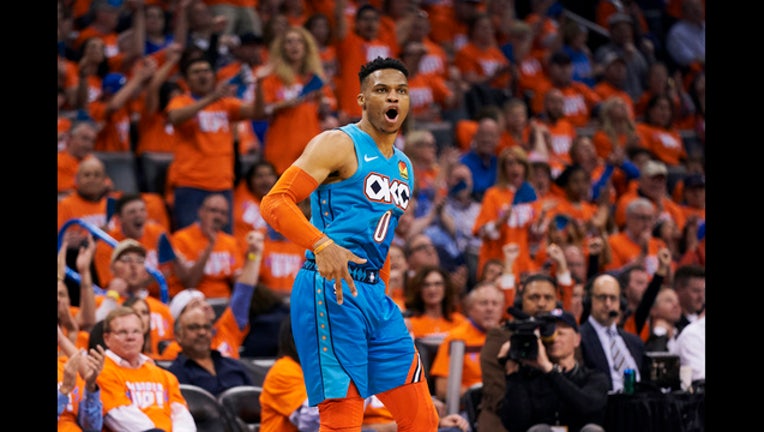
x=128, y=264
x=137, y=394
x=198, y=363
x=604, y=346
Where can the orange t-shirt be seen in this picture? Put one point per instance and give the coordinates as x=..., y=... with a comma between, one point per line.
x=607, y=90
x=483, y=62
x=114, y=134
x=246, y=214
x=283, y=392
x=155, y=133
x=498, y=199
x=204, y=152
x=149, y=387
x=425, y=325
x=67, y=171
x=473, y=340
x=665, y=144
x=282, y=259
x=223, y=265
x=579, y=100
x=426, y=91
x=624, y=250
x=355, y=52
x=74, y=206
x=283, y=141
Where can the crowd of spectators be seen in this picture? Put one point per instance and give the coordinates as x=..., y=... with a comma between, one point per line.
x=556, y=154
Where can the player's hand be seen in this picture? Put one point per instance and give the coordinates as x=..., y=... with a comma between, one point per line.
x=332, y=264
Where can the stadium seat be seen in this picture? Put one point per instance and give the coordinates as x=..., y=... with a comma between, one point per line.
x=154, y=166
x=121, y=169
x=243, y=403
x=209, y=415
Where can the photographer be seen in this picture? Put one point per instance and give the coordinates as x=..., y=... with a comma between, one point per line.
x=540, y=293
x=552, y=389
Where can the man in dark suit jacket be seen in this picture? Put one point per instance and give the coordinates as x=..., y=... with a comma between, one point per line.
x=600, y=327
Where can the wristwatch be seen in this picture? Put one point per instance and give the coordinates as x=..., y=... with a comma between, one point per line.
x=556, y=368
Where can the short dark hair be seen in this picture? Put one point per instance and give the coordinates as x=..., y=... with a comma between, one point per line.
x=381, y=63
x=190, y=56
x=540, y=277
x=686, y=272
x=126, y=199
x=363, y=8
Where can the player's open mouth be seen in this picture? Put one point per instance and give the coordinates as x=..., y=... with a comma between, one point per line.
x=391, y=114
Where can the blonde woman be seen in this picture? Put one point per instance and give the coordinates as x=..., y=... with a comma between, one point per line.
x=294, y=115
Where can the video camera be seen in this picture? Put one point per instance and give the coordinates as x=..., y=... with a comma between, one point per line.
x=522, y=341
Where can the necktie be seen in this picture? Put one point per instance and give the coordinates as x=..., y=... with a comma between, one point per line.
x=618, y=357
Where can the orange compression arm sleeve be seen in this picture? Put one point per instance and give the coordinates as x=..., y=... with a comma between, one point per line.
x=279, y=207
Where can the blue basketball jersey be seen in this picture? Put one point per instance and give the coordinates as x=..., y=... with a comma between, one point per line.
x=361, y=213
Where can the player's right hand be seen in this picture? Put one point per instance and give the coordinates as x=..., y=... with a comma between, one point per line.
x=332, y=264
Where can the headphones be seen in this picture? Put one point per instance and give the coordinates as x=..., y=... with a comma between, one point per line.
x=622, y=278
x=535, y=277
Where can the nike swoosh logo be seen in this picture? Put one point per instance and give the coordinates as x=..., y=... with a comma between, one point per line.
x=366, y=158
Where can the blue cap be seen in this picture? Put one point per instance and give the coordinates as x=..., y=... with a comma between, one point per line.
x=112, y=82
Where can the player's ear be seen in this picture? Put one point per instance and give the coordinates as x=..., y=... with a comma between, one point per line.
x=361, y=100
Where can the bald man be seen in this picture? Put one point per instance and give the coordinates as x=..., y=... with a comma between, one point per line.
x=600, y=331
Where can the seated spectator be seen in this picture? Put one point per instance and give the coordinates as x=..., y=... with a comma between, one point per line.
x=80, y=141
x=284, y=399
x=266, y=312
x=483, y=307
x=230, y=329
x=79, y=397
x=553, y=388
x=128, y=264
x=137, y=394
x=433, y=303
x=198, y=363
x=86, y=203
x=132, y=221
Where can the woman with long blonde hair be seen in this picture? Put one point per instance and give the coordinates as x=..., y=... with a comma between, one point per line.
x=295, y=110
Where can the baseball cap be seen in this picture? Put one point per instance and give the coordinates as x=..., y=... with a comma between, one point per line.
x=653, y=168
x=695, y=181
x=127, y=245
x=565, y=317
x=182, y=299
x=112, y=82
